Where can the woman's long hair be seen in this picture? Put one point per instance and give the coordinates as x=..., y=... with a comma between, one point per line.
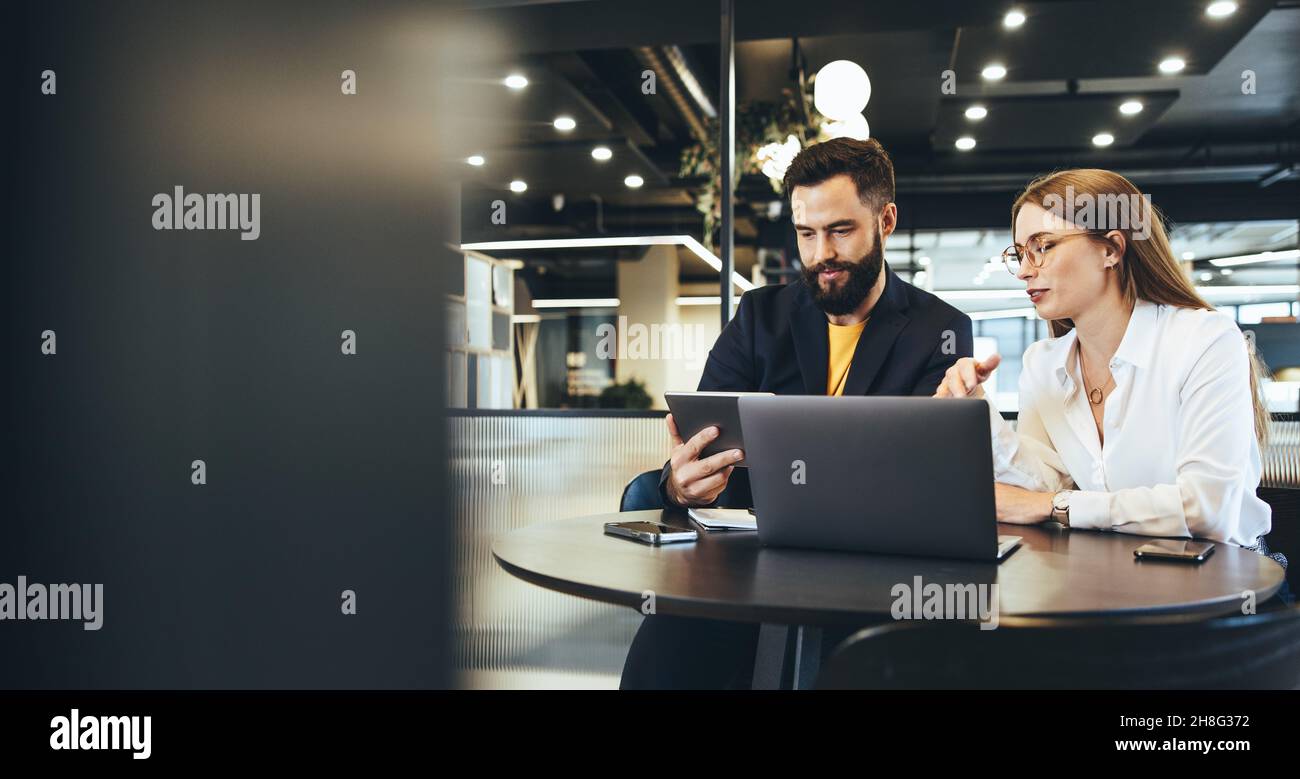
x=1148, y=270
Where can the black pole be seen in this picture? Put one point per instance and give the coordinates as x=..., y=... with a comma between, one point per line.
x=727, y=148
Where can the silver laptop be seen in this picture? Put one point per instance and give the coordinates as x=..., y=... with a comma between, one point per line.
x=895, y=475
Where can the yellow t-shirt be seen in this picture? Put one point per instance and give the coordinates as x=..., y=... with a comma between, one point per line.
x=843, y=342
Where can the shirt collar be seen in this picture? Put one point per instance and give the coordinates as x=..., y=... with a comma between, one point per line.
x=1064, y=347
x=1134, y=348
x=1140, y=336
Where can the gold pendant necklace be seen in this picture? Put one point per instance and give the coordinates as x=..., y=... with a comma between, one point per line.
x=1097, y=394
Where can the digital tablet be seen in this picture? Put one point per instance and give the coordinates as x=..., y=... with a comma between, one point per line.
x=694, y=411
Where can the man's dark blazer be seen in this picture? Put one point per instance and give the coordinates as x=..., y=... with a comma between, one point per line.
x=778, y=343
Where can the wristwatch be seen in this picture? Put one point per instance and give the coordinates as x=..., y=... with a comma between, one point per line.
x=1061, y=507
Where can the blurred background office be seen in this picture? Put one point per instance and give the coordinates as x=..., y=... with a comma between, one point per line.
x=595, y=239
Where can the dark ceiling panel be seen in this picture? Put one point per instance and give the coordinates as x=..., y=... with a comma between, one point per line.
x=1110, y=39
x=625, y=24
x=1049, y=122
x=1197, y=133
x=1217, y=106
x=562, y=167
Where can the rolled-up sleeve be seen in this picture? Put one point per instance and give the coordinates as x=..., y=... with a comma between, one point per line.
x=1023, y=456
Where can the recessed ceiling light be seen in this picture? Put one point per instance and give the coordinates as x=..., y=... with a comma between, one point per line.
x=564, y=123
x=965, y=143
x=1013, y=19
x=993, y=72
x=1130, y=107
x=1103, y=139
x=1172, y=65
x=516, y=81
x=1220, y=9
x=601, y=153
x=976, y=113
x=1206, y=276
x=475, y=159
x=634, y=181
x=1189, y=255
x=923, y=260
x=518, y=185
x=1226, y=271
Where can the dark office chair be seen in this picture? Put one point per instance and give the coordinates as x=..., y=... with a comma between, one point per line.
x=1285, y=535
x=1261, y=651
x=642, y=493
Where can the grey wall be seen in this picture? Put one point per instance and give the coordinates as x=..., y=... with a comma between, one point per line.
x=324, y=471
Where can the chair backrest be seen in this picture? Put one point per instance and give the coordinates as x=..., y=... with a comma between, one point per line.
x=1260, y=651
x=1285, y=535
x=642, y=493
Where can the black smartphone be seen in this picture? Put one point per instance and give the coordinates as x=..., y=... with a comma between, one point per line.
x=1184, y=551
x=650, y=532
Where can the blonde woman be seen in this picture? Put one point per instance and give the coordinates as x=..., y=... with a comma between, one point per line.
x=1141, y=414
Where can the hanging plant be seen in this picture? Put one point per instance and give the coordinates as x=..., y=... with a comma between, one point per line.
x=767, y=135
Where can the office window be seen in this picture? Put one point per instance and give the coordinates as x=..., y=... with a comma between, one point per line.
x=1254, y=313
x=478, y=285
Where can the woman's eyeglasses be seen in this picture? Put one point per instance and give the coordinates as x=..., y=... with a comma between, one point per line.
x=1035, y=250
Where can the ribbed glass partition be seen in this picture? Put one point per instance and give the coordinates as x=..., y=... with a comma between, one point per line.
x=515, y=469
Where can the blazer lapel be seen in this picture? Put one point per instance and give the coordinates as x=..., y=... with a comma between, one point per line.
x=888, y=319
x=808, y=325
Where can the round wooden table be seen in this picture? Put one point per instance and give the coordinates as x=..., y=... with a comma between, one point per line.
x=729, y=575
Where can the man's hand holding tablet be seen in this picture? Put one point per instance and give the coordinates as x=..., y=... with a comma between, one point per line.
x=702, y=464
x=694, y=481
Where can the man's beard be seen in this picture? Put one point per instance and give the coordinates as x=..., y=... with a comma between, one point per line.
x=844, y=298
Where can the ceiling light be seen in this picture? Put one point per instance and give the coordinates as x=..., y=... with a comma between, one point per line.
x=1220, y=9
x=601, y=153
x=1013, y=19
x=993, y=72
x=516, y=81
x=1249, y=289
x=634, y=181
x=476, y=160
x=923, y=260
x=1189, y=255
x=1172, y=65
x=842, y=90
x=576, y=303
x=1130, y=107
x=689, y=242
x=518, y=185
x=976, y=113
x=1226, y=271
x=1217, y=291
x=1206, y=276
x=855, y=127
x=564, y=123
x=1003, y=313
x=965, y=143
x=1103, y=139
x=1249, y=259
x=982, y=294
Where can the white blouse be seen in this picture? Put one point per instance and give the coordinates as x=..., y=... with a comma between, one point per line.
x=1180, y=457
